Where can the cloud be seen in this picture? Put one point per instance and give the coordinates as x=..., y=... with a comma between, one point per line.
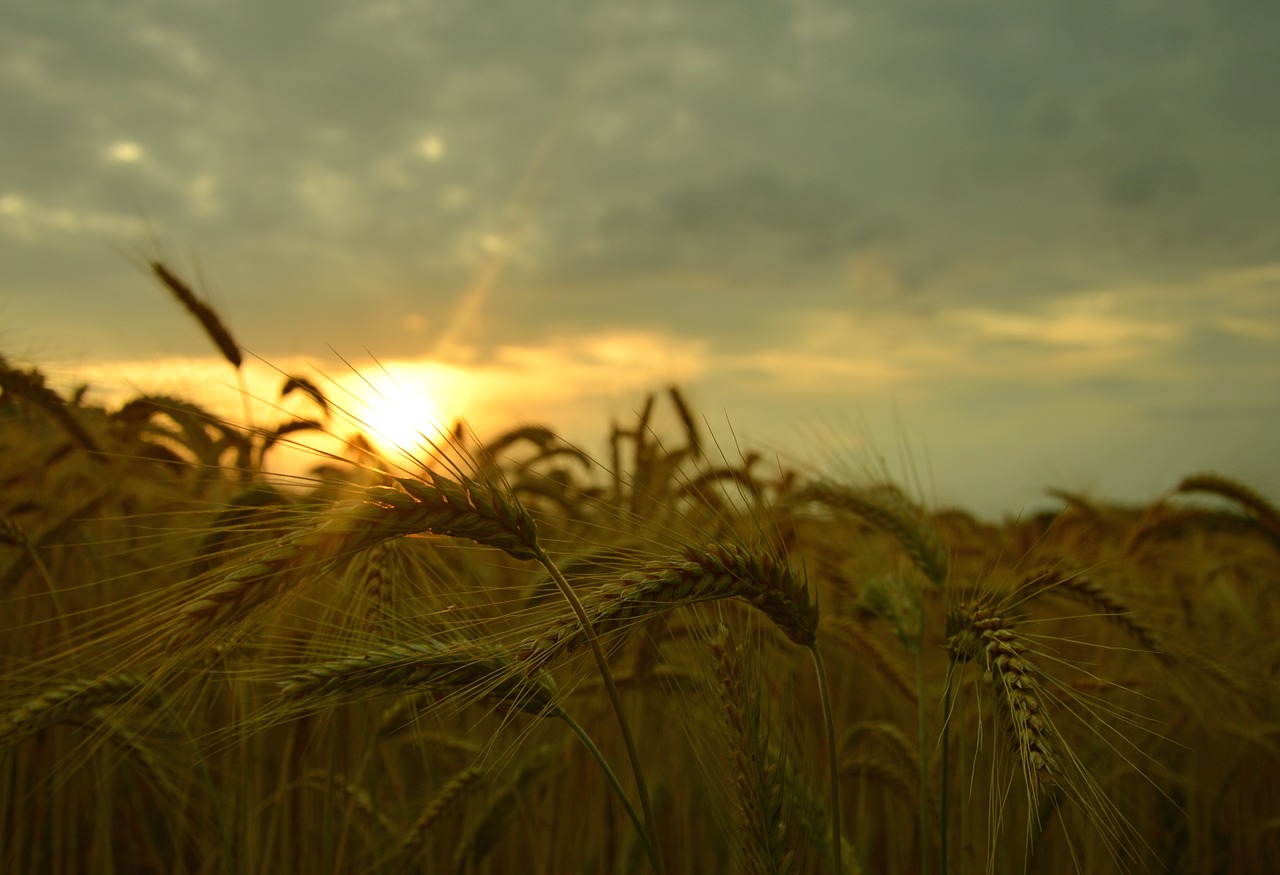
x=817, y=198
x=1083, y=322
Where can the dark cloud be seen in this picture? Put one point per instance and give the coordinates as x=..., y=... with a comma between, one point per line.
x=738, y=223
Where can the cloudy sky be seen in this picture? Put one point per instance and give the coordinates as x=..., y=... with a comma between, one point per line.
x=1037, y=242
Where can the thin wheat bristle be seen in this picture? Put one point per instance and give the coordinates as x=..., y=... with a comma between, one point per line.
x=1085, y=589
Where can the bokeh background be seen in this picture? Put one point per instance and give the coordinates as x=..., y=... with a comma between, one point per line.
x=1004, y=245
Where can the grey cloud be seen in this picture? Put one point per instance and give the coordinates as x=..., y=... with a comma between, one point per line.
x=744, y=217
x=974, y=140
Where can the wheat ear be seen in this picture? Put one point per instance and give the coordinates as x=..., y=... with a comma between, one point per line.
x=461, y=508
x=914, y=533
x=443, y=802
x=697, y=574
x=767, y=843
x=431, y=665
x=207, y=317
x=853, y=634
x=489, y=674
x=31, y=385
x=977, y=632
x=65, y=702
x=1267, y=514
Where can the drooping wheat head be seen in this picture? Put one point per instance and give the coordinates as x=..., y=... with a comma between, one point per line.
x=697, y=574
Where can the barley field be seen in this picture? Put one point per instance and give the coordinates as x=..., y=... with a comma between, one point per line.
x=498, y=654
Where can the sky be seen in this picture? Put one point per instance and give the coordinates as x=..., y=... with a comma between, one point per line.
x=1036, y=244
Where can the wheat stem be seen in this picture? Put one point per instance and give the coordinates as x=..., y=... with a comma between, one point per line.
x=615, y=699
x=612, y=778
x=824, y=693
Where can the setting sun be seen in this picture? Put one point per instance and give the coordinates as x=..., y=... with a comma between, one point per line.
x=404, y=405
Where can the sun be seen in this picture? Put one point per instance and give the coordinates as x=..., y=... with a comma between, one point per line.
x=405, y=406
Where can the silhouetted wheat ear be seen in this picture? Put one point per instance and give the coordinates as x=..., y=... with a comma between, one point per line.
x=976, y=632
x=464, y=509
x=30, y=385
x=375, y=577
x=12, y=533
x=208, y=318
x=698, y=574
x=488, y=674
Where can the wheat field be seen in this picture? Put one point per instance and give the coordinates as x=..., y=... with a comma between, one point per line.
x=492, y=654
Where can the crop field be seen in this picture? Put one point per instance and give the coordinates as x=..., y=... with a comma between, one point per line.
x=497, y=654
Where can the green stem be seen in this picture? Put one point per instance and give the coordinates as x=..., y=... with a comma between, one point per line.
x=923, y=758
x=942, y=788
x=825, y=694
x=614, y=698
x=613, y=782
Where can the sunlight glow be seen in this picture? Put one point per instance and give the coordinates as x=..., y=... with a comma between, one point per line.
x=124, y=152
x=403, y=406
x=431, y=148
